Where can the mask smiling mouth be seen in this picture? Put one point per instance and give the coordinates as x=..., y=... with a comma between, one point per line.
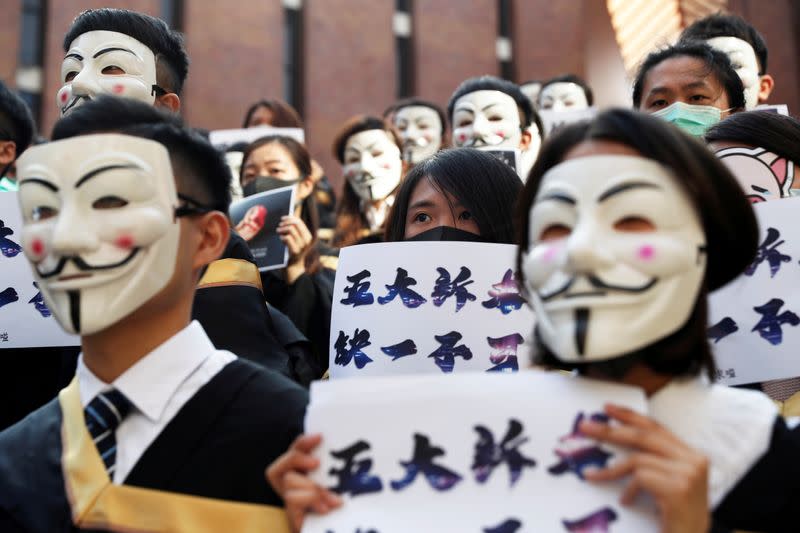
x=599, y=288
x=82, y=265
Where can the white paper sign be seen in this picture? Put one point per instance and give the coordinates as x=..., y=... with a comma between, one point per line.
x=428, y=307
x=470, y=453
x=25, y=320
x=781, y=109
x=552, y=120
x=755, y=320
x=223, y=139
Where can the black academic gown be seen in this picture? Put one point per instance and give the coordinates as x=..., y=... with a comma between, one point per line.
x=203, y=472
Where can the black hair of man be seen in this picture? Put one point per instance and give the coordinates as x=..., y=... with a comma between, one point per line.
x=571, y=78
x=719, y=25
x=491, y=83
x=409, y=102
x=200, y=170
x=717, y=63
x=16, y=121
x=172, y=61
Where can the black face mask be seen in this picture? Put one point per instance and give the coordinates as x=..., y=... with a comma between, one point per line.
x=266, y=183
x=446, y=233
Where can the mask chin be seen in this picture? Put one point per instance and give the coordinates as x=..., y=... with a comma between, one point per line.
x=446, y=233
x=265, y=184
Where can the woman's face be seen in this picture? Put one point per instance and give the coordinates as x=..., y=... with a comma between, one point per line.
x=429, y=208
x=682, y=79
x=262, y=116
x=270, y=160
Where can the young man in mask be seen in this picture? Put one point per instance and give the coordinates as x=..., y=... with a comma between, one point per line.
x=745, y=47
x=124, y=53
x=489, y=113
x=122, y=212
x=16, y=133
x=422, y=127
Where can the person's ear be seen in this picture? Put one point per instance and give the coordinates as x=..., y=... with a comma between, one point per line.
x=8, y=152
x=525, y=140
x=170, y=101
x=766, y=84
x=305, y=188
x=214, y=230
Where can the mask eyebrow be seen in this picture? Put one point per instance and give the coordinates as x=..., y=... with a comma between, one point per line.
x=89, y=175
x=113, y=49
x=624, y=187
x=74, y=56
x=39, y=181
x=558, y=197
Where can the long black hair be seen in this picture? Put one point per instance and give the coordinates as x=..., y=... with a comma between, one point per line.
x=776, y=133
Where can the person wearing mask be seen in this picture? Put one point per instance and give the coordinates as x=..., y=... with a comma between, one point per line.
x=422, y=127
x=304, y=289
x=746, y=48
x=370, y=152
x=690, y=85
x=565, y=93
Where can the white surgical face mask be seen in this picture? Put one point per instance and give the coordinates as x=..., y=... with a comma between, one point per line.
x=372, y=164
x=99, y=226
x=563, y=96
x=109, y=62
x=486, y=119
x=744, y=62
x=600, y=286
x=420, y=130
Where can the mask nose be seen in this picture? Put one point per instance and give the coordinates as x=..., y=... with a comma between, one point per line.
x=368, y=165
x=73, y=235
x=585, y=253
x=480, y=127
x=83, y=84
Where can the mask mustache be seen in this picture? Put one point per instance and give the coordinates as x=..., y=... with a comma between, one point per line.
x=83, y=265
x=74, y=102
x=484, y=140
x=600, y=288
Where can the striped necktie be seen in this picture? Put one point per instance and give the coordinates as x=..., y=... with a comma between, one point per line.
x=103, y=415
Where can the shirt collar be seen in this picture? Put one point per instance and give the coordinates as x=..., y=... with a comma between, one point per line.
x=152, y=381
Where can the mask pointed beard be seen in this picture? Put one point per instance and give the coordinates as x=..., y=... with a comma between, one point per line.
x=75, y=310
x=581, y=329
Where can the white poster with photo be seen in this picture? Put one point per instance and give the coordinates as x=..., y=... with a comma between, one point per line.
x=428, y=307
x=25, y=320
x=553, y=120
x=754, y=322
x=224, y=139
x=471, y=453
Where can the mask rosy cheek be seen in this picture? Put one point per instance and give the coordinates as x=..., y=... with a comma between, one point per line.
x=549, y=253
x=118, y=88
x=462, y=137
x=646, y=252
x=500, y=134
x=37, y=249
x=62, y=97
x=124, y=241
x=386, y=166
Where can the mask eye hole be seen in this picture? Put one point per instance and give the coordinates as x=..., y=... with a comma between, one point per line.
x=43, y=212
x=634, y=224
x=109, y=202
x=70, y=76
x=113, y=70
x=554, y=232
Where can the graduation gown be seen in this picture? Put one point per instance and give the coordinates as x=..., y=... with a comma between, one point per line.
x=203, y=472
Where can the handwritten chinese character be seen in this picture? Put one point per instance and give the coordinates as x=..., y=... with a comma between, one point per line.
x=8, y=247
x=576, y=451
x=508, y=526
x=439, y=477
x=444, y=288
x=504, y=352
x=489, y=455
x=354, y=477
x=597, y=522
x=730, y=373
x=505, y=295
x=400, y=287
x=8, y=296
x=38, y=303
x=445, y=355
x=358, y=292
x=722, y=329
x=4, y=336
x=769, y=327
x=344, y=355
x=402, y=349
x=768, y=251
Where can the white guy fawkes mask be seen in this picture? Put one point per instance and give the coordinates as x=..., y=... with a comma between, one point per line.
x=486, y=119
x=744, y=62
x=563, y=96
x=372, y=164
x=602, y=285
x=99, y=226
x=108, y=62
x=420, y=130
x=532, y=90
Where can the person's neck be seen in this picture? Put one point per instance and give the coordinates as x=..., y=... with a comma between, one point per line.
x=112, y=351
x=640, y=375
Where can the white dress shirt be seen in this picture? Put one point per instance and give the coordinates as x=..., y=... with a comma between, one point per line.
x=158, y=386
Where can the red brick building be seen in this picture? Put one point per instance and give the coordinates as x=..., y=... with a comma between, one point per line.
x=335, y=58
